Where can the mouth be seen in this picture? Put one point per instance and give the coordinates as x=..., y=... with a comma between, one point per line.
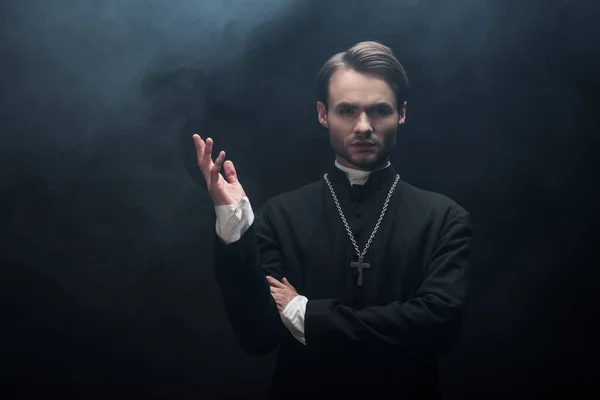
x=363, y=145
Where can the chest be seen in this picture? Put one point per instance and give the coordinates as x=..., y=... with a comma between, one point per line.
x=321, y=257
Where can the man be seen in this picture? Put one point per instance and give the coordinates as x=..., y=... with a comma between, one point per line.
x=359, y=277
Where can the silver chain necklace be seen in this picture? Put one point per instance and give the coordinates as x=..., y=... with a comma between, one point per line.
x=360, y=264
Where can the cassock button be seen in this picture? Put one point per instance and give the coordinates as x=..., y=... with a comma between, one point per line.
x=357, y=211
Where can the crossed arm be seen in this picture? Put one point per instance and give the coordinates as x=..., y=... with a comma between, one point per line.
x=425, y=324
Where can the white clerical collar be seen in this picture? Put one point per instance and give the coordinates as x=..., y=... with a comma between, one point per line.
x=357, y=177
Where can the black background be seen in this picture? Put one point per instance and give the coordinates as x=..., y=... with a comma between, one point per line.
x=107, y=277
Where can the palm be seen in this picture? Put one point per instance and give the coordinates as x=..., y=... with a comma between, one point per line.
x=234, y=190
x=223, y=189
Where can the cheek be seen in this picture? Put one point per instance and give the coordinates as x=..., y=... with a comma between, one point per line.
x=391, y=139
x=390, y=135
x=338, y=133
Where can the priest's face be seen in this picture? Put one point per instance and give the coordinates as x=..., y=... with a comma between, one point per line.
x=362, y=119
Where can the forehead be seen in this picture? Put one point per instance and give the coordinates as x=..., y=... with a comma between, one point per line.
x=347, y=85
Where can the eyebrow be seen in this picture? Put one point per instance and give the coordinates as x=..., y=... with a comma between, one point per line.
x=350, y=105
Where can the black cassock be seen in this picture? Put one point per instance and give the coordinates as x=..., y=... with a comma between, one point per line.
x=378, y=340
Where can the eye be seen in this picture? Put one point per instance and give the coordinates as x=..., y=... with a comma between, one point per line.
x=345, y=111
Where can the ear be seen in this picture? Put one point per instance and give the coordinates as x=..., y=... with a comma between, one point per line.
x=322, y=114
x=402, y=116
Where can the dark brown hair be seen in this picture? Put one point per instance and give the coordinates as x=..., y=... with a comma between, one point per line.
x=365, y=57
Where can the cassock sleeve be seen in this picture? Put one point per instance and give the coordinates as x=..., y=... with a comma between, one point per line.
x=240, y=270
x=427, y=324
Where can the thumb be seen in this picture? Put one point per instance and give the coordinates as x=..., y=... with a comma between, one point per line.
x=230, y=172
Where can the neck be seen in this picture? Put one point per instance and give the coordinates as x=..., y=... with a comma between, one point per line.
x=344, y=163
x=356, y=176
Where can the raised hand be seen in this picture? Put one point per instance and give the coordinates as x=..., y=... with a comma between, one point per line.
x=222, y=190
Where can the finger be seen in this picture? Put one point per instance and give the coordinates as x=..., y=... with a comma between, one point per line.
x=276, y=298
x=230, y=172
x=200, y=145
x=203, y=162
x=287, y=283
x=207, y=162
x=216, y=168
x=274, y=282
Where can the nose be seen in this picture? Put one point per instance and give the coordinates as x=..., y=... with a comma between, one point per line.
x=363, y=125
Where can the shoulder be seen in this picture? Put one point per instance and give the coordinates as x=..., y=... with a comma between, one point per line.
x=426, y=202
x=292, y=201
x=432, y=214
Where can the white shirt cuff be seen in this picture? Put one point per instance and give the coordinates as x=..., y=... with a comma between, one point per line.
x=293, y=317
x=233, y=220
